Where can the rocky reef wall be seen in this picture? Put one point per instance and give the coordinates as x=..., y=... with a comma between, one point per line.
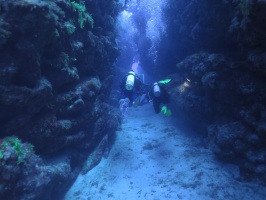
x=217, y=61
x=56, y=70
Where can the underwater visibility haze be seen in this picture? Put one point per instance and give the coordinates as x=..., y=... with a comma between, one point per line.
x=132, y=99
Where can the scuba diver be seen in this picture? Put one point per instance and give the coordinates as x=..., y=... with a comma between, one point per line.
x=130, y=90
x=158, y=95
x=160, y=98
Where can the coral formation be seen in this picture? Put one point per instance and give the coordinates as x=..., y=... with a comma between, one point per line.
x=55, y=62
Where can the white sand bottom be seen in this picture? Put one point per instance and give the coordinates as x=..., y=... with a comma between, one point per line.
x=151, y=159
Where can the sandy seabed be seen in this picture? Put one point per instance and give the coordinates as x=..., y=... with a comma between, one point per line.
x=154, y=160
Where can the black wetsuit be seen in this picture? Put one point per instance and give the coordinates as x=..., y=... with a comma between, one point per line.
x=131, y=94
x=164, y=98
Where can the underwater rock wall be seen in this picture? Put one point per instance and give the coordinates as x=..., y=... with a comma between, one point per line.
x=56, y=70
x=219, y=82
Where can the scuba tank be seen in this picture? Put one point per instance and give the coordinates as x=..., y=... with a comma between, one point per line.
x=130, y=80
x=156, y=89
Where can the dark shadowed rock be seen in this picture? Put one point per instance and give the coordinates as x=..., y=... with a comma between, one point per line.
x=56, y=71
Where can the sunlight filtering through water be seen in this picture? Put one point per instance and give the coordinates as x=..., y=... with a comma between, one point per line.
x=155, y=26
x=141, y=20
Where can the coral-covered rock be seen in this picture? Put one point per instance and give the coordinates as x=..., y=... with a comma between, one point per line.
x=24, y=175
x=226, y=97
x=228, y=140
x=56, y=70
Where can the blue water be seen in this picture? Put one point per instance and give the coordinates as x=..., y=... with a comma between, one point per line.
x=141, y=22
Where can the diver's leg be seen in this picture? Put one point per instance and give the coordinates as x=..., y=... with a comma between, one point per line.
x=143, y=99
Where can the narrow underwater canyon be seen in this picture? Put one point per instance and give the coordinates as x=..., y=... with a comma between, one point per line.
x=61, y=63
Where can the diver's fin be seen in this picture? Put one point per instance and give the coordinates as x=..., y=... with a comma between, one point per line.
x=165, y=81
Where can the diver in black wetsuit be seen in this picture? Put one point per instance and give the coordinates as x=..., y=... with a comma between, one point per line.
x=131, y=86
x=160, y=98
